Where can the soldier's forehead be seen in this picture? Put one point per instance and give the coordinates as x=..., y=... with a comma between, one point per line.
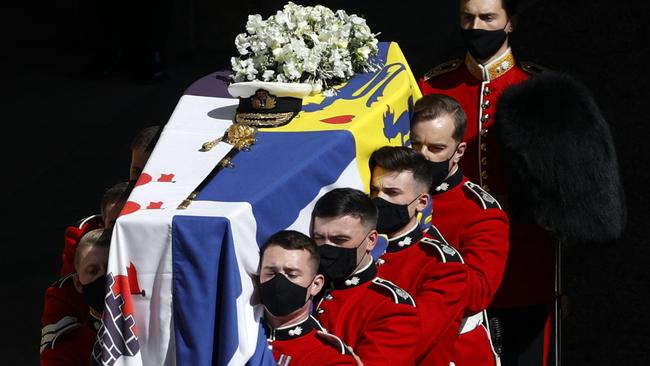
x=382, y=172
x=339, y=225
x=278, y=256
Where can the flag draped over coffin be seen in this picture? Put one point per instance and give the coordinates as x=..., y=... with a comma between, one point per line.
x=180, y=285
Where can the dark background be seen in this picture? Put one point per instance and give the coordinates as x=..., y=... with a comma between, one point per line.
x=71, y=106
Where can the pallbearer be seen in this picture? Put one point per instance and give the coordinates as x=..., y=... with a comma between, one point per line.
x=377, y=318
x=469, y=218
x=421, y=263
x=524, y=301
x=287, y=283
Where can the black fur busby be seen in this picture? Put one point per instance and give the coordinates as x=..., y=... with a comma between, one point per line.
x=560, y=159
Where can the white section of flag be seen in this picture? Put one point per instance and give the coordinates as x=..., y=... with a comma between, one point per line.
x=195, y=120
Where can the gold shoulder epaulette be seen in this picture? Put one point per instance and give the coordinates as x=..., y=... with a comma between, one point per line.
x=443, y=68
x=532, y=68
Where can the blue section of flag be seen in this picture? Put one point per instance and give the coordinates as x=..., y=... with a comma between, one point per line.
x=402, y=126
x=206, y=283
x=380, y=247
x=283, y=173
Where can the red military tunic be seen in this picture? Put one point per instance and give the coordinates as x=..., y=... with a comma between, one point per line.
x=473, y=222
x=478, y=88
x=71, y=238
x=68, y=332
x=528, y=278
x=376, y=318
x=299, y=344
x=435, y=275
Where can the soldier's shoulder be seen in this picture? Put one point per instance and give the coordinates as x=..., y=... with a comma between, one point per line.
x=398, y=295
x=532, y=68
x=481, y=196
x=331, y=342
x=443, y=68
x=63, y=282
x=446, y=253
x=93, y=220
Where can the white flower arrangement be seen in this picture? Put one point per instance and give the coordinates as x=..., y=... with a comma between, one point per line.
x=304, y=44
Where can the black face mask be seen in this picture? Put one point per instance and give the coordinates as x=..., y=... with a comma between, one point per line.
x=392, y=216
x=282, y=297
x=481, y=43
x=338, y=263
x=440, y=170
x=94, y=293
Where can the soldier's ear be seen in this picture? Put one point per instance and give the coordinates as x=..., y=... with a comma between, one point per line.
x=317, y=284
x=460, y=151
x=512, y=24
x=423, y=201
x=373, y=240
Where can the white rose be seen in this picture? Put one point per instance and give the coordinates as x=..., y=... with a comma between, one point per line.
x=299, y=13
x=315, y=15
x=311, y=63
x=268, y=75
x=242, y=43
x=300, y=48
x=280, y=18
x=236, y=67
x=258, y=47
x=278, y=53
x=302, y=27
x=290, y=69
x=342, y=43
x=363, y=52
x=254, y=23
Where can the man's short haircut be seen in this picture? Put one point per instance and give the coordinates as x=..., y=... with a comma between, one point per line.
x=117, y=193
x=293, y=240
x=433, y=106
x=146, y=138
x=347, y=202
x=398, y=159
x=510, y=6
x=94, y=238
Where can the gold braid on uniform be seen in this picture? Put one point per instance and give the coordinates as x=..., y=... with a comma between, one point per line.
x=532, y=68
x=443, y=68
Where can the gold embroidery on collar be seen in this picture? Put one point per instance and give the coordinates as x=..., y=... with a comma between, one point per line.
x=495, y=69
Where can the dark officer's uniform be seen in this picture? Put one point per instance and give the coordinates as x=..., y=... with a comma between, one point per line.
x=528, y=280
x=434, y=273
x=376, y=318
x=299, y=344
x=472, y=221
